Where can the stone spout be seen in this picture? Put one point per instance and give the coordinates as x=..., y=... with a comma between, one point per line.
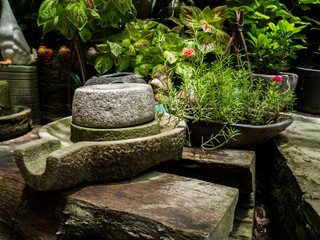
x=53, y=162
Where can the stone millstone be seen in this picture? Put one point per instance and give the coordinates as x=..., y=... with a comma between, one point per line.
x=54, y=162
x=113, y=105
x=154, y=206
x=79, y=133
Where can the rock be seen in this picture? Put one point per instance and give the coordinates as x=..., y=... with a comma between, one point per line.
x=113, y=105
x=123, y=77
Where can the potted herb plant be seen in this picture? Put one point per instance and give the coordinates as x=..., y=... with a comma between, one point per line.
x=223, y=106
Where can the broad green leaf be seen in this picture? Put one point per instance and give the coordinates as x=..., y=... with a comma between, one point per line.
x=126, y=42
x=115, y=48
x=143, y=70
x=206, y=27
x=124, y=63
x=85, y=34
x=189, y=16
x=48, y=27
x=90, y=4
x=103, y=63
x=222, y=36
x=130, y=50
x=76, y=13
x=170, y=56
x=66, y=27
x=220, y=14
x=47, y=12
x=142, y=44
x=121, y=5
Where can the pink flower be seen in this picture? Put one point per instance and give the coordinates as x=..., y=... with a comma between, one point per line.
x=277, y=79
x=190, y=52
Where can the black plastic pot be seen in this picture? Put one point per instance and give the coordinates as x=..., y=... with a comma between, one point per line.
x=308, y=90
x=251, y=136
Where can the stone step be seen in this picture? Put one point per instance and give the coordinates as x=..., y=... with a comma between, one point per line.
x=233, y=168
x=152, y=206
x=155, y=206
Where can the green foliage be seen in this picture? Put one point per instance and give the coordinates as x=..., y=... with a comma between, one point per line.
x=144, y=46
x=272, y=45
x=84, y=16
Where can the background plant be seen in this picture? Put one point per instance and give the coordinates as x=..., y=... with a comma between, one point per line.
x=145, y=46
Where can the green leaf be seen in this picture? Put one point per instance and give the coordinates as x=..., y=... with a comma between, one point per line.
x=115, y=48
x=123, y=63
x=189, y=16
x=76, y=13
x=170, y=56
x=143, y=70
x=222, y=36
x=47, y=12
x=66, y=27
x=142, y=44
x=130, y=50
x=90, y=4
x=103, y=63
x=48, y=27
x=85, y=34
x=206, y=27
x=220, y=14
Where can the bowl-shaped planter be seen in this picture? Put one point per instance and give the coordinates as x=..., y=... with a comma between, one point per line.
x=14, y=124
x=251, y=135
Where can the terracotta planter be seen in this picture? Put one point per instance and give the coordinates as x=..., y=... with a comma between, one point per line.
x=251, y=135
x=289, y=80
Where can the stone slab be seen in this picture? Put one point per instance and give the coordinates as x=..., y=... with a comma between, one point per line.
x=299, y=155
x=152, y=206
x=234, y=168
x=156, y=206
x=113, y=105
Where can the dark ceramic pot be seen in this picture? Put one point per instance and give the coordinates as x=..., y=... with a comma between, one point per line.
x=289, y=80
x=251, y=136
x=308, y=90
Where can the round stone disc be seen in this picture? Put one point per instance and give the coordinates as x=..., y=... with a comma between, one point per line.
x=79, y=133
x=113, y=105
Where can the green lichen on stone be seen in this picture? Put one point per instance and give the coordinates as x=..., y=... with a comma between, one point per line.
x=5, y=102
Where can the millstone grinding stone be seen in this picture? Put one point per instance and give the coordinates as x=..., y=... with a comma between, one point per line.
x=113, y=105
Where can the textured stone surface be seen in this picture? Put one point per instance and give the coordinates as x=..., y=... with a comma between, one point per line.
x=15, y=124
x=122, y=77
x=153, y=206
x=235, y=168
x=54, y=162
x=113, y=105
x=229, y=167
x=295, y=179
x=5, y=101
x=79, y=133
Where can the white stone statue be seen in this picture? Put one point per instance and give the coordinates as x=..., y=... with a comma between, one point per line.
x=13, y=45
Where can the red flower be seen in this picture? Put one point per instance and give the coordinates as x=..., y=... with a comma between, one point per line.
x=190, y=52
x=236, y=51
x=277, y=79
